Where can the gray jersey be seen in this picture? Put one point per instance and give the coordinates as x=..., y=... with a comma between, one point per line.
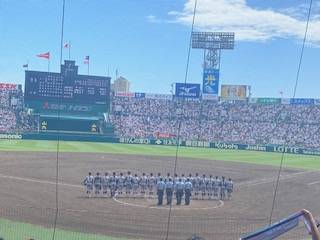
x=196, y=181
x=113, y=181
x=216, y=183
x=128, y=180
x=151, y=181
x=229, y=185
x=121, y=180
x=88, y=181
x=105, y=181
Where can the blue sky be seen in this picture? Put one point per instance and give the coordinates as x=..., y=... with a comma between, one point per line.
x=147, y=41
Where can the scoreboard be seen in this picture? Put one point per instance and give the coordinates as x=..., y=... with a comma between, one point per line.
x=67, y=87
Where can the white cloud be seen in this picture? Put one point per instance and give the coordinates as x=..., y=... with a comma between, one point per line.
x=153, y=19
x=249, y=23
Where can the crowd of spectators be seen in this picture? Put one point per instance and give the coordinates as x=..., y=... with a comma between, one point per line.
x=233, y=122
x=238, y=122
x=13, y=116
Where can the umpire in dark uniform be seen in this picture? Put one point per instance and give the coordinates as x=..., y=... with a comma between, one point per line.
x=169, y=190
x=187, y=191
x=160, y=190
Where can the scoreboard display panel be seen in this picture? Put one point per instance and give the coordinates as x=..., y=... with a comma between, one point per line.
x=67, y=86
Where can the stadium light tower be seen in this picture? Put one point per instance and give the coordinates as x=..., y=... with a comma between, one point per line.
x=212, y=43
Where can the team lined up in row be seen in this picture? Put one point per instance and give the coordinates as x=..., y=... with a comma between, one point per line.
x=134, y=185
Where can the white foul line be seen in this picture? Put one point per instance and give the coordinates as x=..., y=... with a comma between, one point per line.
x=40, y=181
x=312, y=183
x=271, y=179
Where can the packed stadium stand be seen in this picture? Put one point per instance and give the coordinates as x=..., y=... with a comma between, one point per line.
x=237, y=121
x=13, y=115
x=234, y=122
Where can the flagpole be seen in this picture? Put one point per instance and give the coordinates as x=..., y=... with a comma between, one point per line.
x=88, y=67
x=48, y=64
x=69, y=50
x=27, y=64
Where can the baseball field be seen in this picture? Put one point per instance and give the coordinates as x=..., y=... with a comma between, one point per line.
x=27, y=190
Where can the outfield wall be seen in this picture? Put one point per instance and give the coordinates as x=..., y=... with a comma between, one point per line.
x=160, y=142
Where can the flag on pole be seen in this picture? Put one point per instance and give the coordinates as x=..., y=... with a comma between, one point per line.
x=86, y=60
x=66, y=45
x=44, y=55
x=25, y=65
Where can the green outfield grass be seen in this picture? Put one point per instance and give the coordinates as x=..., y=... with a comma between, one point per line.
x=265, y=158
x=10, y=230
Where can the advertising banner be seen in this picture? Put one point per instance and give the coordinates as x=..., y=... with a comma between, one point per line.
x=8, y=86
x=211, y=81
x=158, y=96
x=234, y=92
x=187, y=90
x=253, y=100
x=124, y=94
x=285, y=101
x=210, y=97
x=139, y=95
x=302, y=101
x=269, y=100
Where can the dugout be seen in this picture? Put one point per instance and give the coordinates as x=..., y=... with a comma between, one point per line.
x=69, y=123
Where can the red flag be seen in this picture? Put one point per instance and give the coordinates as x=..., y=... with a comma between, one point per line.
x=66, y=45
x=44, y=55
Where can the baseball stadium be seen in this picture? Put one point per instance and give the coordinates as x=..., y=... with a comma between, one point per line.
x=82, y=160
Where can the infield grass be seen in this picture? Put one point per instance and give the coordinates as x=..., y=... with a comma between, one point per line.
x=252, y=157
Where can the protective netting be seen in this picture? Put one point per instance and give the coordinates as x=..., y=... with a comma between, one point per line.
x=152, y=225
x=49, y=209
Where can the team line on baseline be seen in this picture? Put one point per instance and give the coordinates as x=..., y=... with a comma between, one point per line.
x=129, y=185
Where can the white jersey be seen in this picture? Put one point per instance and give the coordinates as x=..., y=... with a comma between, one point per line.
x=203, y=182
x=210, y=183
x=152, y=181
x=176, y=180
x=158, y=178
x=135, y=180
x=216, y=183
x=143, y=180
